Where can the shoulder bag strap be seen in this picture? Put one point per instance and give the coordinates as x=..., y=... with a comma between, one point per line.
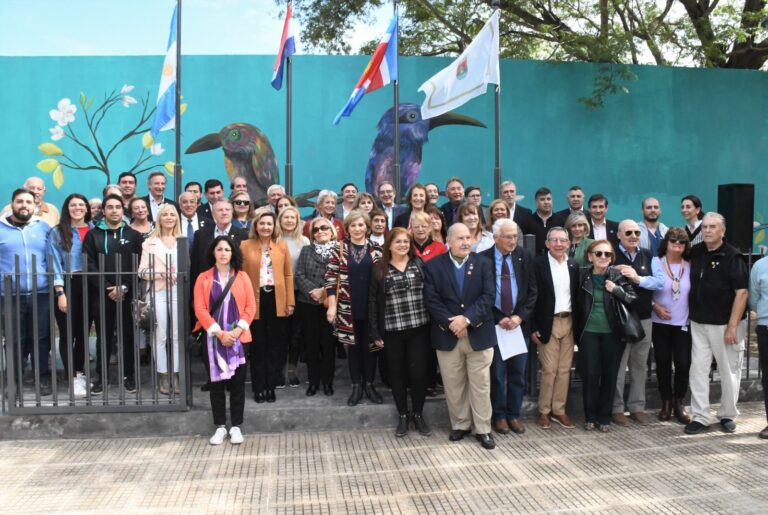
x=220, y=300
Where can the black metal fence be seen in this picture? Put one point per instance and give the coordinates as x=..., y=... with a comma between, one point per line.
x=112, y=374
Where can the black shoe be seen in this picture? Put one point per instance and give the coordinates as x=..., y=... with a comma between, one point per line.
x=259, y=397
x=311, y=390
x=97, y=388
x=486, y=441
x=328, y=389
x=129, y=384
x=45, y=387
x=402, y=426
x=206, y=387
x=728, y=425
x=294, y=382
x=695, y=428
x=421, y=425
x=271, y=396
x=355, y=396
x=372, y=394
x=458, y=434
x=430, y=392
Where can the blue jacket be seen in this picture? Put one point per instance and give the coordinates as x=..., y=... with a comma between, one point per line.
x=443, y=301
x=59, y=256
x=25, y=242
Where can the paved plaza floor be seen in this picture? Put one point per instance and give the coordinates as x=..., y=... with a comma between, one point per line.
x=653, y=469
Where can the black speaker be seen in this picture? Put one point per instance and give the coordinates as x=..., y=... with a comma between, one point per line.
x=736, y=202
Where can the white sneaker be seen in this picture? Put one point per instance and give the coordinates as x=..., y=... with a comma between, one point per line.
x=78, y=386
x=235, y=436
x=219, y=436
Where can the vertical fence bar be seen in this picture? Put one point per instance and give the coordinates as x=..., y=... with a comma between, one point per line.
x=103, y=339
x=21, y=354
x=182, y=317
x=86, y=321
x=35, y=332
x=10, y=341
x=119, y=330
x=3, y=360
x=69, y=329
x=51, y=330
x=135, y=332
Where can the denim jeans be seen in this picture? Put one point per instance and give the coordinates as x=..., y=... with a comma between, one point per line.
x=507, y=385
x=27, y=318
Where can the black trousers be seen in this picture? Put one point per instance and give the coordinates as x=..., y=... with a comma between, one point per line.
x=295, y=332
x=408, y=359
x=762, y=347
x=236, y=387
x=73, y=340
x=268, y=347
x=108, y=310
x=362, y=362
x=320, y=344
x=672, y=345
x=600, y=355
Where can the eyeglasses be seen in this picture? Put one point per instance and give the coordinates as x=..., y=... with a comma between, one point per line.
x=321, y=228
x=681, y=241
x=242, y=202
x=603, y=253
x=630, y=233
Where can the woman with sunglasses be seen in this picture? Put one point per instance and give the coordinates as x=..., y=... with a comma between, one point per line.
x=671, y=332
x=242, y=217
x=310, y=291
x=598, y=332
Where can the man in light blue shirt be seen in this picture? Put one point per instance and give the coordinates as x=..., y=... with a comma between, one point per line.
x=758, y=301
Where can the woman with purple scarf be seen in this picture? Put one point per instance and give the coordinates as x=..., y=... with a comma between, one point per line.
x=228, y=329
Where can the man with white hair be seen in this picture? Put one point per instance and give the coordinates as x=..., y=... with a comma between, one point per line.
x=325, y=207
x=43, y=210
x=274, y=193
x=459, y=293
x=717, y=309
x=514, y=300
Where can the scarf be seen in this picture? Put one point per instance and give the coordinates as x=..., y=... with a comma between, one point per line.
x=324, y=249
x=224, y=360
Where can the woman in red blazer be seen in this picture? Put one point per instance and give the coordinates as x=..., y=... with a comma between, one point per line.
x=228, y=330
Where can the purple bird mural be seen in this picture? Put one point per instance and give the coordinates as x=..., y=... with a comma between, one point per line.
x=414, y=133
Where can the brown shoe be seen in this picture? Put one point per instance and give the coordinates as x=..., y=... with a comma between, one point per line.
x=620, y=419
x=501, y=427
x=679, y=410
x=640, y=417
x=543, y=421
x=517, y=426
x=764, y=433
x=564, y=420
x=666, y=411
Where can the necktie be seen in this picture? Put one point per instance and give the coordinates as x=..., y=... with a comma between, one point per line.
x=507, y=305
x=190, y=233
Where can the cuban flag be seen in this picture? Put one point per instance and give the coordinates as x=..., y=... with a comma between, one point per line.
x=286, y=50
x=381, y=70
x=165, y=114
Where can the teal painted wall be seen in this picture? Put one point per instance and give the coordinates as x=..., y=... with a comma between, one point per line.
x=678, y=131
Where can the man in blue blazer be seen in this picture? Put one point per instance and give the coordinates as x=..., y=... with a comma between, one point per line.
x=512, y=265
x=459, y=293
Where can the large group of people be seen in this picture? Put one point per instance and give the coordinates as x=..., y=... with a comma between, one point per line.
x=418, y=293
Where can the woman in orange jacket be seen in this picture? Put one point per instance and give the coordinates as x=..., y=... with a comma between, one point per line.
x=228, y=329
x=267, y=261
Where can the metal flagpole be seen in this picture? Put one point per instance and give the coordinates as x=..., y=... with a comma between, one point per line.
x=396, y=114
x=177, y=115
x=497, y=127
x=288, y=127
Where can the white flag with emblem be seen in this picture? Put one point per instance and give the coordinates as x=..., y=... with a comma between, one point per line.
x=466, y=77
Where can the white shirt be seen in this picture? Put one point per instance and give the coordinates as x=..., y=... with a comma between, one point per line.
x=390, y=218
x=185, y=220
x=599, y=230
x=154, y=207
x=561, y=280
x=218, y=232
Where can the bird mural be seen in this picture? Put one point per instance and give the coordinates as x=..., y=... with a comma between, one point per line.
x=414, y=133
x=247, y=152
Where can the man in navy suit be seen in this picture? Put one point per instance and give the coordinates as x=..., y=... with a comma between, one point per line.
x=156, y=196
x=514, y=300
x=459, y=295
x=600, y=228
x=557, y=282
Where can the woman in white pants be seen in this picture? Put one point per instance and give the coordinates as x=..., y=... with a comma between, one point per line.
x=158, y=265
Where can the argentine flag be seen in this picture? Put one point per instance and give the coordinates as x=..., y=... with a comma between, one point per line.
x=165, y=115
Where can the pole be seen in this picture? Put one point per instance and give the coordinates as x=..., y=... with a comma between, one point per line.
x=396, y=114
x=288, y=127
x=497, y=128
x=177, y=115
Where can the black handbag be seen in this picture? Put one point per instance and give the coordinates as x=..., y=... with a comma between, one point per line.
x=141, y=308
x=631, y=329
x=196, y=339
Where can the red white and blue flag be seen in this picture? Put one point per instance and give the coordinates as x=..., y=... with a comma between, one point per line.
x=287, y=48
x=381, y=70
